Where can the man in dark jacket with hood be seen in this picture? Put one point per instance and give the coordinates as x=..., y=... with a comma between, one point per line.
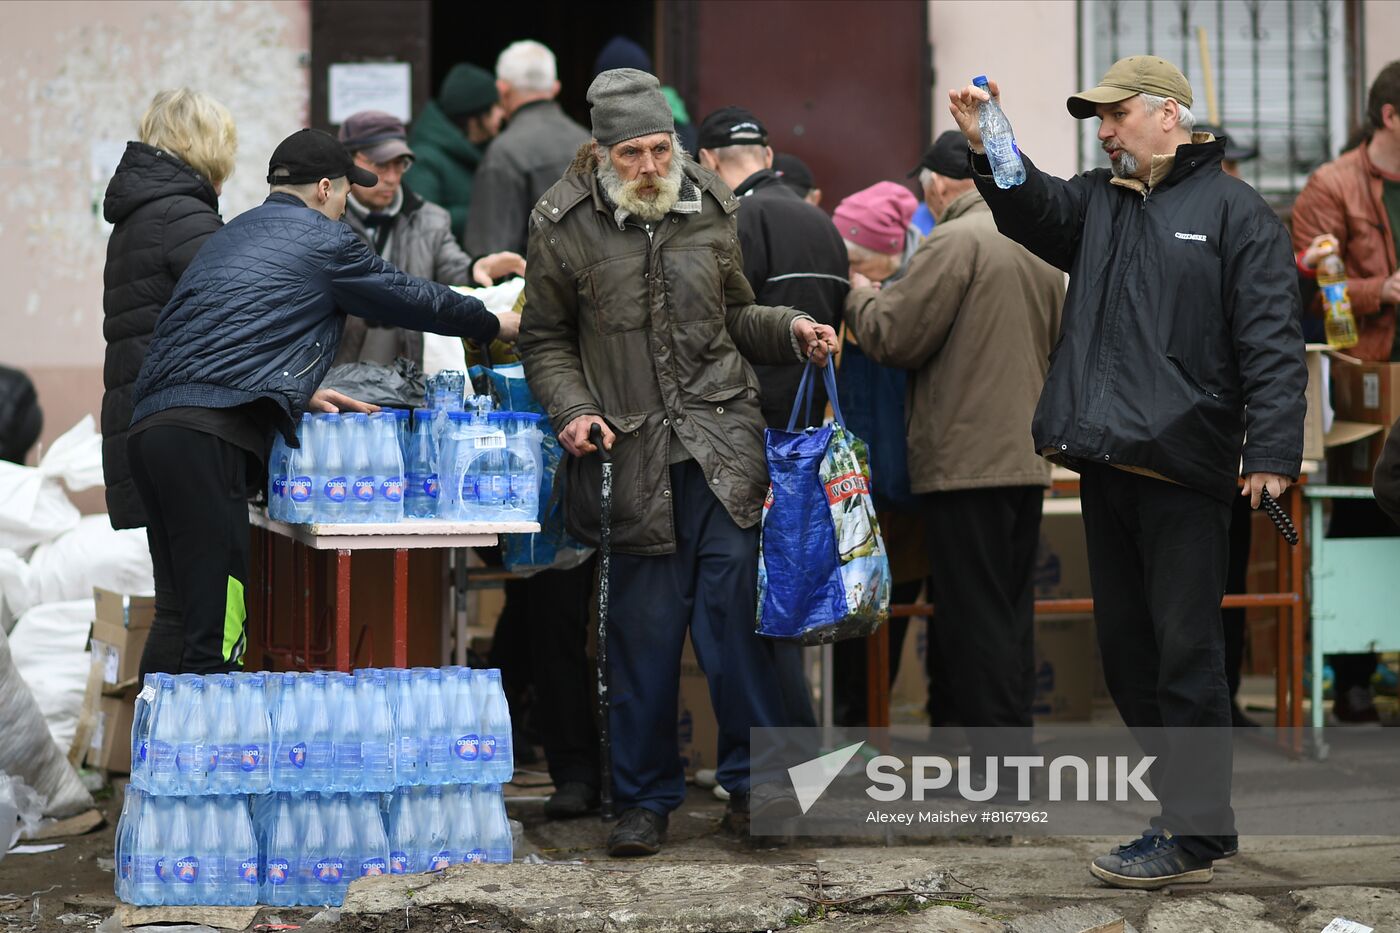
x=793, y=254
x=449, y=140
x=238, y=353
x=1180, y=333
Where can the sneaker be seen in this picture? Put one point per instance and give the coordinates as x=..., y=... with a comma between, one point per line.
x=1153, y=861
x=638, y=832
x=706, y=777
x=570, y=799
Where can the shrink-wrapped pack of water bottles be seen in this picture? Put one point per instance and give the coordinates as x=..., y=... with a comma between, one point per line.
x=284, y=788
x=456, y=460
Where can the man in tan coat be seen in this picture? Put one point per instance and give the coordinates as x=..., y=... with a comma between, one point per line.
x=974, y=318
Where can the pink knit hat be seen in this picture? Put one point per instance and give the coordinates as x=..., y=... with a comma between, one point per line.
x=876, y=217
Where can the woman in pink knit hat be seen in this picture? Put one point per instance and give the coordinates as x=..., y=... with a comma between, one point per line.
x=876, y=225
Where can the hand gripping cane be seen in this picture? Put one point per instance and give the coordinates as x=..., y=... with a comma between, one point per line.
x=595, y=436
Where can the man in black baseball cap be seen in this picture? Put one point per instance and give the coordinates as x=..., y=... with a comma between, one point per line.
x=311, y=157
x=943, y=166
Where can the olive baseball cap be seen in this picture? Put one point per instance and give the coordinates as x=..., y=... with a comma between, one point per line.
x=1136, y=74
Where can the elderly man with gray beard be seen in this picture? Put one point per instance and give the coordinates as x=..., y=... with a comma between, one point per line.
x=639, y=319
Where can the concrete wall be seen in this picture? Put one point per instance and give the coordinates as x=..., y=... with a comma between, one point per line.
x=1030, y=50
x=1382, y=43
x=76, y=78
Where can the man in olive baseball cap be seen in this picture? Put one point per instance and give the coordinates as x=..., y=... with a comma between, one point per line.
x=1136, y=74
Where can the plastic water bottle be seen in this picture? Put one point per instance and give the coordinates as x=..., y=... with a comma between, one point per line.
x=406, y=743
x=332, y=486
x=208, y=848
x=147, y=889
x=283, y=860
x=435, y=736
x=462, y=841
x=333, y=870
x=403, y=833
x=191, y=753
x=363, y=483
x=462, y=724
x=372, y=852
x=224, y=726
x=164, y=739
x=497, y=757
x=141, y=731
x=403, y=427
x=255, y=733
x=289, y=742
x=998, y=141
x=420, y=468
x=300, y=501
x=387, y=462
x=316, y=725
x=179, y=866
x=435, y=852
x=493, y=825
x=126, y=837
x=277, y=479
x=240, y=852
x=377, y=730
x=347, y=748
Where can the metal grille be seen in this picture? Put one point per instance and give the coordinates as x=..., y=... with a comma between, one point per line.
x=1277, y=68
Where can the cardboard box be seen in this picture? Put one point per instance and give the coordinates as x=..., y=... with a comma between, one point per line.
x=1062, y=559
x=696, y=729
x=110, y=748
x=1333, y=379
x=119, y=635
x=1366, y=392
x=1064, y=668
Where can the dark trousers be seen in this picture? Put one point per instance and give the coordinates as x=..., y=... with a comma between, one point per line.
x=1237, y=581
x=1157, y=561
x=195, y=490
x=709, y=586
x=553, y=608
x=981, y=646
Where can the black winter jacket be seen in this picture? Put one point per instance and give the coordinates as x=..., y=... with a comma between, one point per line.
x=1181, y=324
x=162, y=211
x=260, y=311
x=793, y=257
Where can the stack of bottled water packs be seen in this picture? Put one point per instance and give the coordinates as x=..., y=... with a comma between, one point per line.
x=457, y=460
x=283, y=788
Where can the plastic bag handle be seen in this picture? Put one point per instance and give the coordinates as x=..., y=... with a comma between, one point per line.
x=804, y=394
x=829, y=375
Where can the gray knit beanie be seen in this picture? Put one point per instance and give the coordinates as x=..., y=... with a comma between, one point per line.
x=628, y=103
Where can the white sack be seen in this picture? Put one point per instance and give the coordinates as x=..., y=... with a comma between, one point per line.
x=27, y=750
x=35, y=508
x=49, y=647
x=92, y=554
x=441, y=352
x=16, y=589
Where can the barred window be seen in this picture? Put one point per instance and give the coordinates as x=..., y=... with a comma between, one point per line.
x=1276, y=68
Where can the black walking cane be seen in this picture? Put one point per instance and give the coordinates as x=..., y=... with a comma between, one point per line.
x=595, y=436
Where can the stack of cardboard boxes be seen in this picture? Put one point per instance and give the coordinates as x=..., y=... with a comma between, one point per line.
x=119, y=632
x=1367, y=397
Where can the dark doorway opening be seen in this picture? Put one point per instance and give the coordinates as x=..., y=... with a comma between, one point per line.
x=575, y=32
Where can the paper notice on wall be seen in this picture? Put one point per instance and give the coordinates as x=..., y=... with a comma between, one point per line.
x=370, y=86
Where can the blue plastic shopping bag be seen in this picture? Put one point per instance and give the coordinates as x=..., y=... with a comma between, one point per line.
x=551, y=547
x=823, y=574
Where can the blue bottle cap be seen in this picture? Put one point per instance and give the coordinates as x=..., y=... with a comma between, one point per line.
x=980, y=80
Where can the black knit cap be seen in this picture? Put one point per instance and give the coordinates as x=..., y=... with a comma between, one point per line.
x=309, y=155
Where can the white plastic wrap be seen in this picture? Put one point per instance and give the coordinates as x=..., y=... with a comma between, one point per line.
x=35, y=507
x=92, y=554
x=49, y=650
x=27, y=750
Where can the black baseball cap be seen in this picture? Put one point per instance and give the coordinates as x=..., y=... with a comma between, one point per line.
x=947, y=157
x=731, y=126
x=793, y=172
x=308, y=155
x=1233, y=152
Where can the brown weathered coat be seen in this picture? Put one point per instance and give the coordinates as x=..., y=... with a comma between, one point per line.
x=646, y=328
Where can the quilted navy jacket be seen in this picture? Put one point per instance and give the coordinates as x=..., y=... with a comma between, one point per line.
x=259, y=312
